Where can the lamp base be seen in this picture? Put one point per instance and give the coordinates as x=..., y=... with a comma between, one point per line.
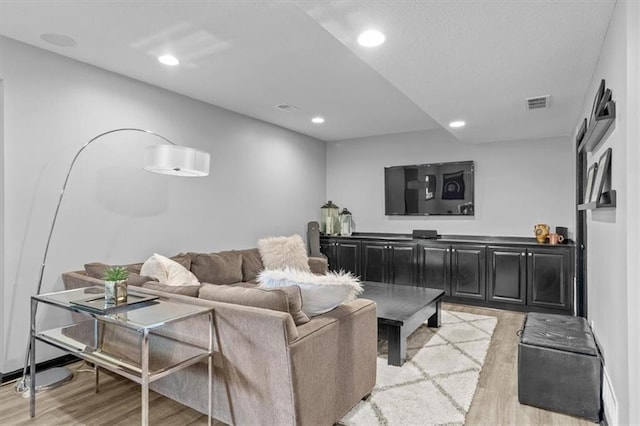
x=47, y=379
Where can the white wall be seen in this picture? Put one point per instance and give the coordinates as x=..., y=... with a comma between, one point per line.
x=2, y=250
x=633, y=205
x=264, y=180
x=612, y=245
x=517, y=183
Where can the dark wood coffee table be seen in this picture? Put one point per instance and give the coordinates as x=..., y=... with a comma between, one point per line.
x=401, y=310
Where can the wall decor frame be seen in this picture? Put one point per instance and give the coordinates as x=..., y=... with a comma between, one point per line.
x=596, y=101
x=581, y=132
x=602, y=172
x=591, y=174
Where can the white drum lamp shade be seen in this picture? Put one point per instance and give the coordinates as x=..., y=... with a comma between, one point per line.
x=176, y=160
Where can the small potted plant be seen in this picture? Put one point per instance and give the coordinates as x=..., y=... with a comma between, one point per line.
x=115, y=284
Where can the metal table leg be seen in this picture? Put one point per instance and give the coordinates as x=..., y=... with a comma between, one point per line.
x=145, y=377
x=32, y=367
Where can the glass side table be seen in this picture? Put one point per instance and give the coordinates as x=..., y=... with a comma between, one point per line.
x=141, y=320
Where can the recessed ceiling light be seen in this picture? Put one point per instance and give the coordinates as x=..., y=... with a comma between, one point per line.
x=371, y=38
x=317, y=120
x=59, y=40
x=168, y=60
x=458, y=123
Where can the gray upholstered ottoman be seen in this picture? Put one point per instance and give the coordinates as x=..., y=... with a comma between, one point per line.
x=559, y=366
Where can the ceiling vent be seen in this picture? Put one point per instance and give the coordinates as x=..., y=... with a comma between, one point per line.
x=537, y=102
x=287, y=107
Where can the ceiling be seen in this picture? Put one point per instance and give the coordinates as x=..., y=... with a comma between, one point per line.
x=473, y=60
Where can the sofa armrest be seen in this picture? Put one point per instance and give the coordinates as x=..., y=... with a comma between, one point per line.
x=79, y=279
x=318, y=265
x=334, y=362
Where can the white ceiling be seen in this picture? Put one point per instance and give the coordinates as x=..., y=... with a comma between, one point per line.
x=443, y=60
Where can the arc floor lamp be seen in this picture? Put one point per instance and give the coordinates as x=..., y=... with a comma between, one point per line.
x=171, y=159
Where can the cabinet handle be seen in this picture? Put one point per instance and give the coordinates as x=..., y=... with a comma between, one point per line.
x=453, y=250
x=523, y=254
x=447, y=250
x=530, y=254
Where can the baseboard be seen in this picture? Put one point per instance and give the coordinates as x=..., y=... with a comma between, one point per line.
x=55, y=362
x=609, y=400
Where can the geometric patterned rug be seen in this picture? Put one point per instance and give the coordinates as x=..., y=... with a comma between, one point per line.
x=436, y=385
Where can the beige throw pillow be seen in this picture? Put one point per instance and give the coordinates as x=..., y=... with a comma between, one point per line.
x=168, y=271
x=284, y=252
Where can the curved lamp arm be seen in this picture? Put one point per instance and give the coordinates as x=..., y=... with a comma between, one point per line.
x=195, y=161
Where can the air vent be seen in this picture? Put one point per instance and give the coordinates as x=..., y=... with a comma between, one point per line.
x=537, y=102
x=287, y=107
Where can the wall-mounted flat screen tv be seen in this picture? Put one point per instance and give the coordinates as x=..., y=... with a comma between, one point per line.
x=429, y=189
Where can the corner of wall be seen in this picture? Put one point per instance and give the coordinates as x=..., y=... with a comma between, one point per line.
x=2, y=250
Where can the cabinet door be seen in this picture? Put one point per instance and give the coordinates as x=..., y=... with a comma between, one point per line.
x=507, y=275
x=549, y=278
x=327, y=247
x=468, y=271
x=403, y=263
x=374, y=260
x=435, y=266
x=348, y=256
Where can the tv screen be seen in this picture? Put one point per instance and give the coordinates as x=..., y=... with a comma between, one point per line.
x=429, y=189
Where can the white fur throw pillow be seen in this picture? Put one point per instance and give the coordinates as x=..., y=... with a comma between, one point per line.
x=284, y=252
x=320, y=293
x=168, y=271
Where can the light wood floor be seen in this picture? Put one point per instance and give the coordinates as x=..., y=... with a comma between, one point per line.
x=118, y=403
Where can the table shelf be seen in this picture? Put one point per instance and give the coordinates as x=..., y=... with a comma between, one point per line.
x=69, y=339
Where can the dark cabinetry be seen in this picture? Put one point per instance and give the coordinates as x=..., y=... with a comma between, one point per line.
x=500, y=272
x=549, y=278
x=342, y=254
x=533, y=276
x=389, y=262
x=457, y=269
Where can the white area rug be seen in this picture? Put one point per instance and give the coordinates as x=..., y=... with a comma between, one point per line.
x=436, y=384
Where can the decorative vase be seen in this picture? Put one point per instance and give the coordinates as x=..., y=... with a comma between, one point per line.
x=115, y=292
x=541, y=231
x=330, y=224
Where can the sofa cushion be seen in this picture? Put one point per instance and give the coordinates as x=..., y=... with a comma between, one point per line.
x=184, y=259
x=283, y=300
x=185, y=290
x=284, y=252
x=251, y=264
x=320, y=293
x=224, y=267
x=168, y=271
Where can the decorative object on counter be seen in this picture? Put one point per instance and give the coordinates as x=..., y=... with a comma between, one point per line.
x=425, y=234
x=346, y=223
x=541, y=231
x=330, y=224
x=167, y=158
x=564, y=232
x=555, y=238
x=115, y=284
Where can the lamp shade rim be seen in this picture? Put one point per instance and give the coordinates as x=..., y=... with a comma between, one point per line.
x=177, y=160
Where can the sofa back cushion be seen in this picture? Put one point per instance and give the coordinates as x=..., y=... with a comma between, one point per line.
x=281, y=299
x=224, y=267
x=97, y=270
x=251, y=264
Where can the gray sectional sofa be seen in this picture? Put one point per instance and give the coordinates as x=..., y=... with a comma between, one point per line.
x=271, y=365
